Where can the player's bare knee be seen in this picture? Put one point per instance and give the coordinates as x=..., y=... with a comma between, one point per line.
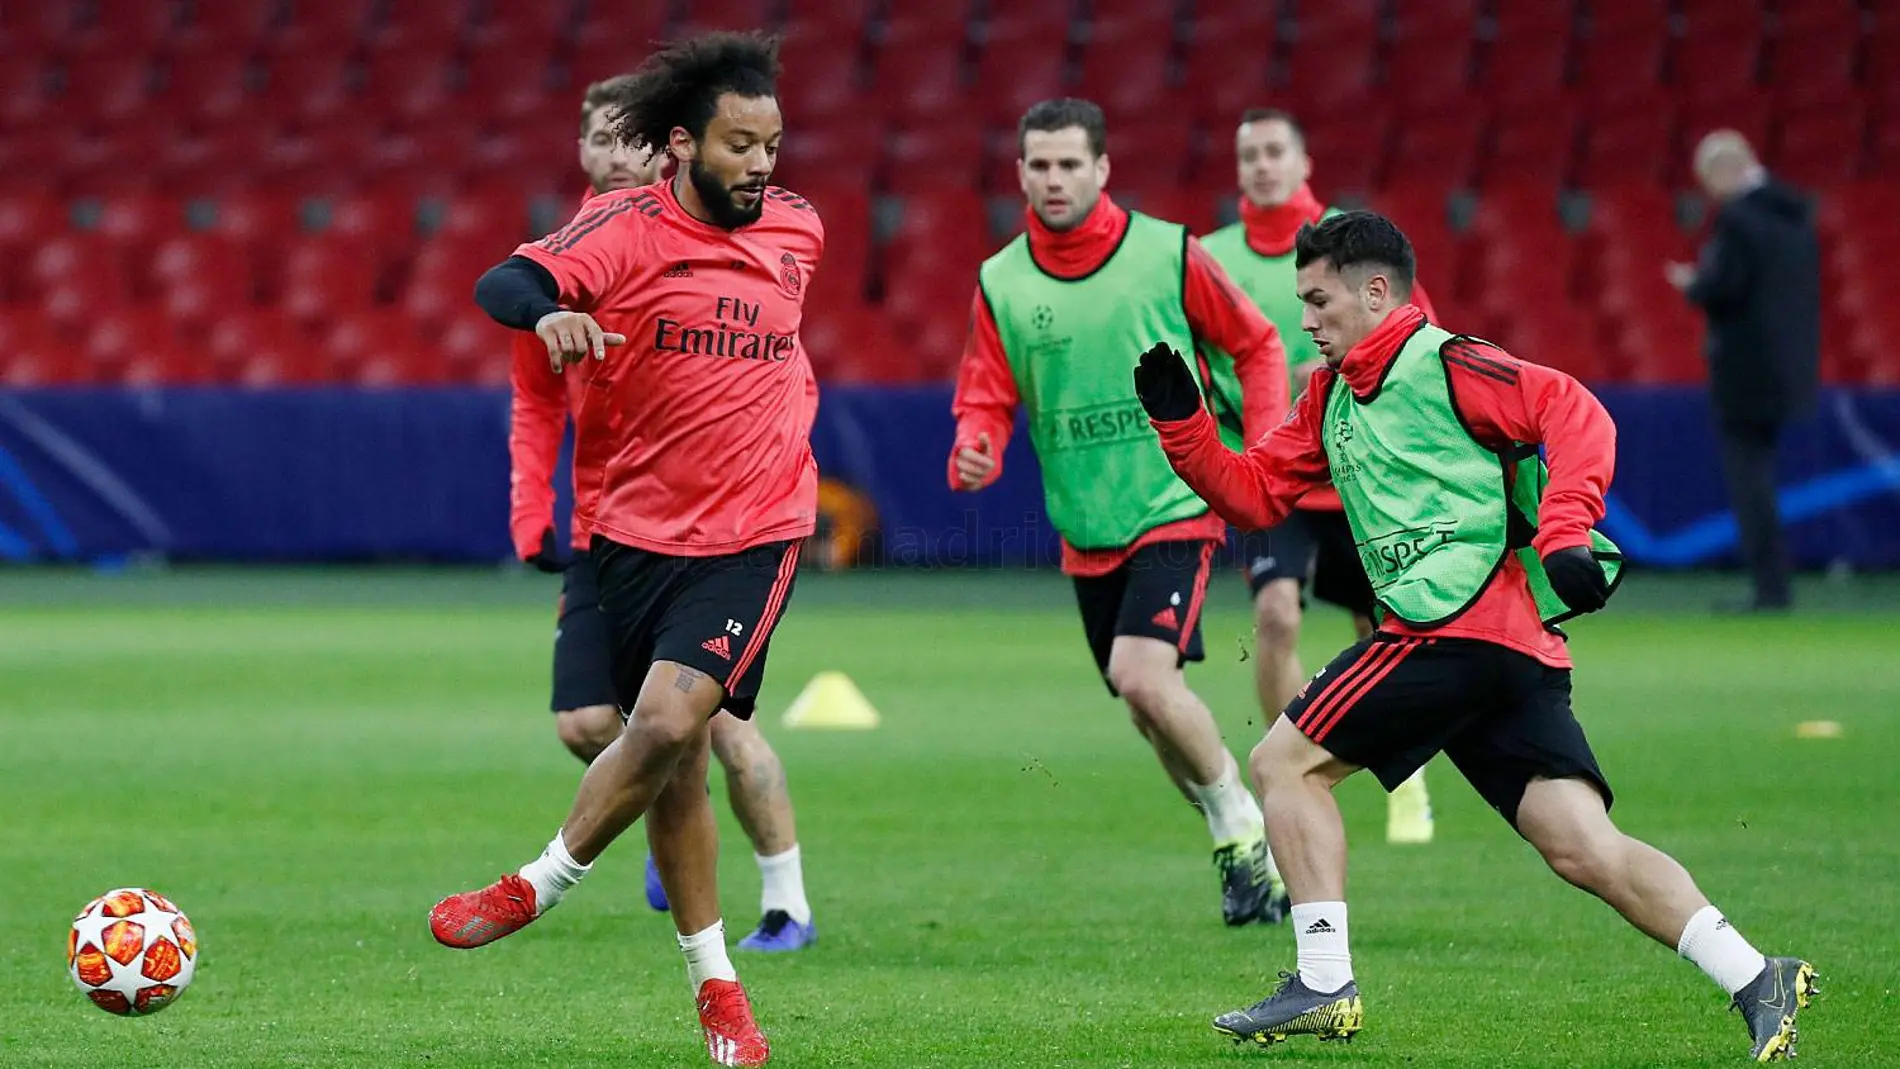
x=1276, y=615
x=670, y=725
x=588, y=730
x=1587, y=861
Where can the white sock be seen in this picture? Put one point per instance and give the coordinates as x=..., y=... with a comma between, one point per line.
x=1719, y=950
x=1232, y=814
x=1319, y=932
x=782, y=879
x=552, y=874
x=706, y=956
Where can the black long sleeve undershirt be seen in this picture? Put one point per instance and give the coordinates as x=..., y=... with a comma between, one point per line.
x=517, y=292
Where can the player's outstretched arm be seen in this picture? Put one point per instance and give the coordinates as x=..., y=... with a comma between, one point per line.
x=1250, y=490
x=520, y=293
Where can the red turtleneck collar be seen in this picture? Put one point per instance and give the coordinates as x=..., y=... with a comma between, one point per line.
x=1270, y=231
x=1083, y=248
x=1365, y=364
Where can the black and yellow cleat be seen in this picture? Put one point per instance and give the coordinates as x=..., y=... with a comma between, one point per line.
x=1770, y=1002
x=1296, y=1010
x=1246, y=888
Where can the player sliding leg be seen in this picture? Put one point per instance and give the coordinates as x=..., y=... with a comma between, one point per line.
x=755, y=785
x=1146, y=672
x=1466, y=660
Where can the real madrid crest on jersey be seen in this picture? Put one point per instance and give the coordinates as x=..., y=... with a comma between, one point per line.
x=788, y=273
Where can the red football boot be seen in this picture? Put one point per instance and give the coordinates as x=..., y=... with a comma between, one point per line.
x=476, y=918
x=732, y=1036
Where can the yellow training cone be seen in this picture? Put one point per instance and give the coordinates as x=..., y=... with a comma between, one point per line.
x=831, y=700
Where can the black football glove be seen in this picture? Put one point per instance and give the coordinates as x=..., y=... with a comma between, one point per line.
x=548, y=557
x=1165, y=385
x=1577, y=578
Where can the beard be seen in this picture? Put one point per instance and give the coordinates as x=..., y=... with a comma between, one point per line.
x=717, y=197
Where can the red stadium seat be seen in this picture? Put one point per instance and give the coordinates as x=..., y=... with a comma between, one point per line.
x=325, y=276
x=1013, y=73
x=311, y=86
x=380, y=347
x=1537, y=144
x=208, y=87
x=1348, y=147
x=1813, y=69
x=1335, y=21
x=841, y=18
x=918, y=81
x=1721, y=19
x=331, y=24
x=422, y=25
x=1526, y=76
x=1715, y=69
x=1149, y=154
x=1193, y=209
x=633, y=25
x=1626, y=18
x=937, y=154
x=199, y=276
x=1445, y=143
x=85, y=270
x=1518, y=25
x=223, y=158
x=1432, y=73
x=496, y=214
x=442, y=278
x=1632, y=145
x=1124, y=68
x=381, y=215
x=728, y=15
x=820, y=82
x=261, y=217
x=1331, y=77
x=262, y=347
x=137, y=347
x=843, y=274
x=1557, y=334
x=1621, y=74
x=511, y=81
x=1418, y=207
x=239, y=22
x=34, y=353
x=408, y=85
x=1818, y=147
x=106, y=89
x=1883, y=142
x=1223, y=76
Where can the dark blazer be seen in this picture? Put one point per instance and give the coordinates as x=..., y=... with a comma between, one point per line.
x=1759, y=283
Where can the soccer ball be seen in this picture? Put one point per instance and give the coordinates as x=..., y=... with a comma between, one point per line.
x=132, y=952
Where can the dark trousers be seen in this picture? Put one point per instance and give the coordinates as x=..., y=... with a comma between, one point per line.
x=1748, y=460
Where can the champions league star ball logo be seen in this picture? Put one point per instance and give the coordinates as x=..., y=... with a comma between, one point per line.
x=1044, y=317
x=1342, y=432
x=788, y=273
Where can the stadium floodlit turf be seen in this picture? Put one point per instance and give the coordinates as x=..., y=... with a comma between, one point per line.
x=305, y=762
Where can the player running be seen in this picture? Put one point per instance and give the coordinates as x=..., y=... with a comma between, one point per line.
x=1049, y=310
x=585, y=715
x=1312, y=548
x=1476, y=548
x=698, y=437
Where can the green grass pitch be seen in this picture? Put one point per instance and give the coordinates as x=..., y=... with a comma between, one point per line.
x=306, y=761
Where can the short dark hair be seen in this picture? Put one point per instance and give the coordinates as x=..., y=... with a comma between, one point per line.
x=680, y=85
x=1252, y=115
x=1351, y=239
x=1060, y=114
x=600, y=94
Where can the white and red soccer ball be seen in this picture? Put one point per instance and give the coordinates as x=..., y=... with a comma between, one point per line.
x=132, y=952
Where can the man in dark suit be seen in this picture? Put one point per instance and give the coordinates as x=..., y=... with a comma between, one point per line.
x=1759, y=283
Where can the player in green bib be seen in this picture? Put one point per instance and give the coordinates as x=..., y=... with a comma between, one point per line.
x=1312, y=549
x=1475, y=550
x=1047, y=328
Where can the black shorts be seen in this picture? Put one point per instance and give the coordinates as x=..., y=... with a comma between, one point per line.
x=714, y=614
x=1156, y=593
x=1314, y=546
x=1390, y=703
x=583, y=668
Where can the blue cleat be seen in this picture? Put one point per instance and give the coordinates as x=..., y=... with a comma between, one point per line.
x=656, y=891
x=778, y=933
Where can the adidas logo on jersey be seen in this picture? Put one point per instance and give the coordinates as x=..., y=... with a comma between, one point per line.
x=1320, y=927
x=720, y=646
x=678, y=270
x=1167, y=618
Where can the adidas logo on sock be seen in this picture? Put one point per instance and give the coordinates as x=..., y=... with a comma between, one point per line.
x=1320, y=927
x=1721, y=924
